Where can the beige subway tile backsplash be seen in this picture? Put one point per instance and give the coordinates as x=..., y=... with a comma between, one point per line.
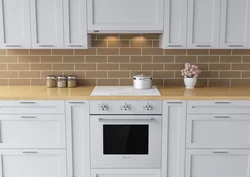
x=113, y=59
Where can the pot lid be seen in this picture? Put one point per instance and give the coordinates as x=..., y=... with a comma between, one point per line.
x=142, y=76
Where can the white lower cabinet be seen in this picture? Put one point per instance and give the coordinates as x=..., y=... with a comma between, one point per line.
x=218, y=131
x=125, y=173
x=78, y=151
x=36, y=131
x=217, y=163
x=174, y=126
x=33, y=163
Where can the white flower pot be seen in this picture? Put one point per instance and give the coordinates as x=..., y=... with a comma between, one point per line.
x=190, y=82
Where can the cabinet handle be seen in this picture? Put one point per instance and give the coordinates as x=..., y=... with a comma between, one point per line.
x=28, y=117
x=173, y=45
x=174, y=102
x=72, y=45
x=29, y=152
x=43, y=45
x=235, y=45
x=221, y=117
x=222, y=102
x=13, y=45
x=203, y=45
x=1, y=141
x=29, y=102
x=76, y=102
x=220, y=152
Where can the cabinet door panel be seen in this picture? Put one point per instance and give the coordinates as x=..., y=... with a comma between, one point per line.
x=77, y=125
x=174, y=125
x=75, y=24
x=41, y=163
x=47, y=23
x=203, y=23
x=218, y=131
x=217, y=163
x=37, y=131
x=15, y=24
x=175, y=24
x=235, y=24
x=125, y=15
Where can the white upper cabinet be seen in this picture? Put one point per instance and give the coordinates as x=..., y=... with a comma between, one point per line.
x=47, y=23
x=75, y=24
x=235, y=24
x=125, y=15
x=175, y=24
x=203, y=23
x=15, y=24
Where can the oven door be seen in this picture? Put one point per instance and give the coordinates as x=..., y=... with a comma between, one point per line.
x=125, y=141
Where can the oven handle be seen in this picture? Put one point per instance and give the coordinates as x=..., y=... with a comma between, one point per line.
x=109, y=119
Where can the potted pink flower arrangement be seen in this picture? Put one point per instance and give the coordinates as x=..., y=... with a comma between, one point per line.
x=190, y=73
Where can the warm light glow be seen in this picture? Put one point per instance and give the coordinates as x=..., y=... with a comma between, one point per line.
x=113, y=38
x=138, y=38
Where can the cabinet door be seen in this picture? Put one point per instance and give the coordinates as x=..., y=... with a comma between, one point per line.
x=47, y=23
x=218, y=131
x=77, y=121
x=212, y=163
x=15, y=24
x=174, y=124
x=235, y=24
x=36, y=131
x=75, y=24
x=175, y=24
x=203, y=23
x=125, y=15
x=35, y=163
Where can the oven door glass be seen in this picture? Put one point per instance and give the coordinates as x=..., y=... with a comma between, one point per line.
x=125, y=139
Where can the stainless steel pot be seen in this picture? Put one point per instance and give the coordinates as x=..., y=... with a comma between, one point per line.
x=142, y=82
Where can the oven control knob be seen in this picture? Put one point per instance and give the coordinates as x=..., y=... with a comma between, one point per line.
x=148, y=107
x=104, y=107
x=126, y=107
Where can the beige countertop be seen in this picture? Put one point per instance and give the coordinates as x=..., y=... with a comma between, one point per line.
x=83, y=93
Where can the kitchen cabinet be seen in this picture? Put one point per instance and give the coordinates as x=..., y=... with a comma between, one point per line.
x=235, y=24
x=125, y=172
x=203, y=24
x=75, y=24
x=125, y=16
x=32, y=107
x=78, y=142
x=15, y=24
x=47, y=23
x=215, y=163
x=35, y=163
x=174, y=126
x=36, y=131
x=175, y=24
x=205, y=131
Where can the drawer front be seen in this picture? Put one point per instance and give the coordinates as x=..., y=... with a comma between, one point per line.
x=36, y=131
x=218, y=131
x=35, y=163
x=217, y=163
x=31, y=107
x=125, y=173
x=218, y=107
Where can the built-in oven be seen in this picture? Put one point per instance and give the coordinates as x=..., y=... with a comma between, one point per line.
x=126, y=141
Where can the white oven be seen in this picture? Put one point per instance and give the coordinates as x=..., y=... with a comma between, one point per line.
x=125, y=134
x=125, y=141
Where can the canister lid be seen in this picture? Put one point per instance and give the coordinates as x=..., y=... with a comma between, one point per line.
x=71, y=77
x=62, y=77
x=51, y=77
